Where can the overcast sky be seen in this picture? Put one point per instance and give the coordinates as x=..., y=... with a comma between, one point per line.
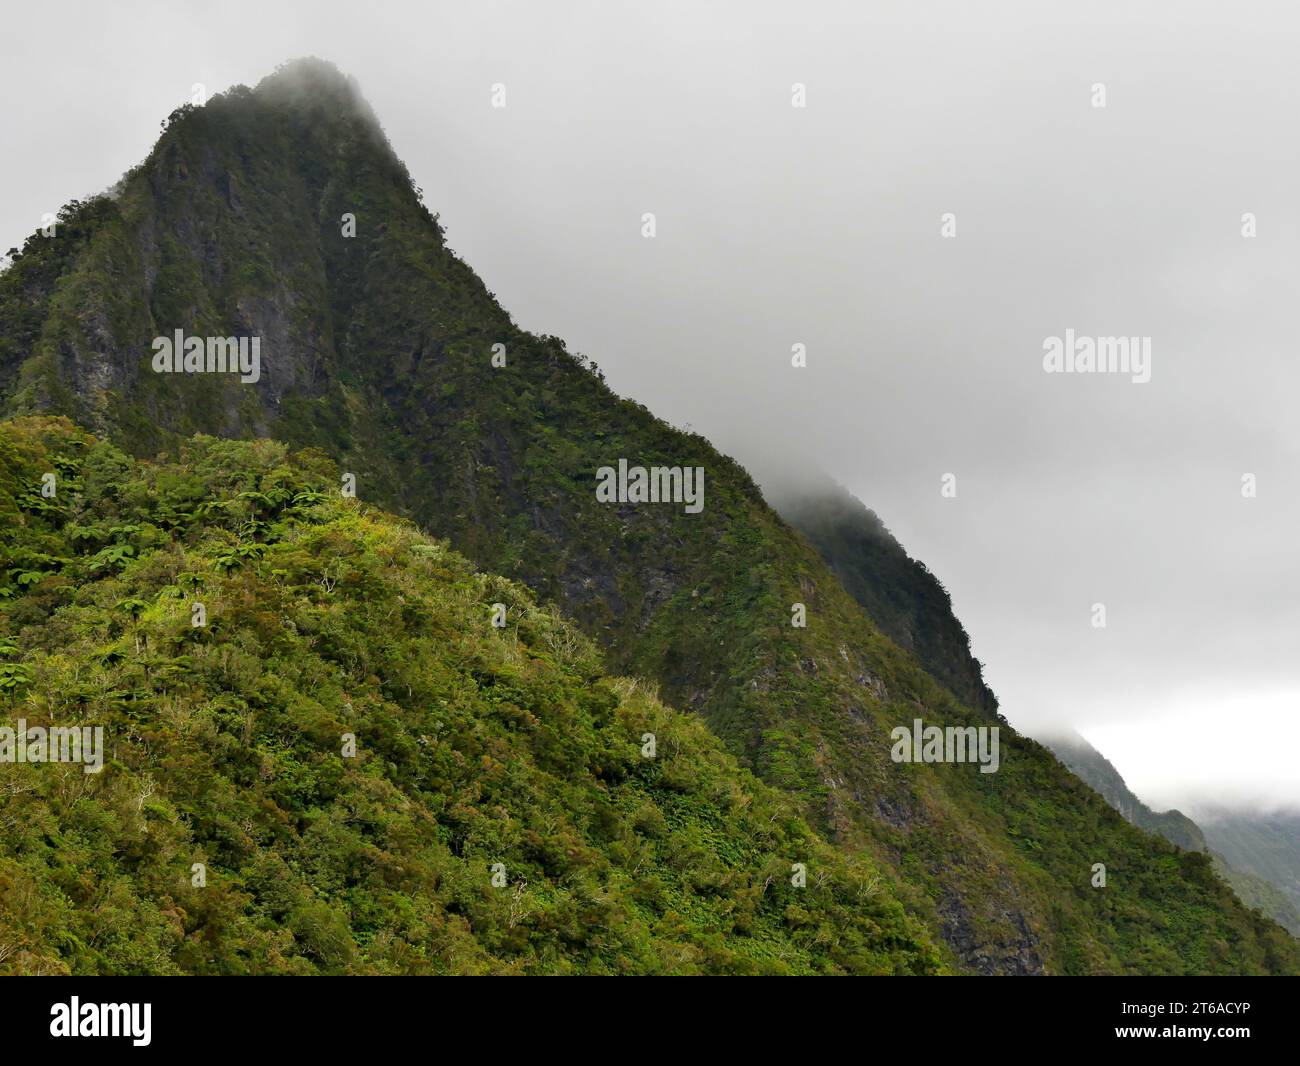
x=821, y=225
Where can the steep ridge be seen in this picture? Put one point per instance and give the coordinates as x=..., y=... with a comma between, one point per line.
x=378, y=348
x=1262, y=889
x=902, y=596
x=480, y=750
x=912, y=607
x=1093, y=767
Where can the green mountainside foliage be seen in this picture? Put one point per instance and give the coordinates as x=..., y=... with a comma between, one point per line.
x=1252, y=886
x=912, y=607
x=476, y=745
x=1264, y=843
x=901, y=595
x=1258, y=893
x=377, y=350
x=1098, y=771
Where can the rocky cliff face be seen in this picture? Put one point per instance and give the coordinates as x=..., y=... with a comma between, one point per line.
x=282, y=213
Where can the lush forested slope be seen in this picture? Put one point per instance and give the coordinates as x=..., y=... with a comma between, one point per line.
x=912, y=607
x=901, y=595
x=378, y=349
x=474, y=745
x=1263, y=843
x=1252, y=886
x=1097, y=770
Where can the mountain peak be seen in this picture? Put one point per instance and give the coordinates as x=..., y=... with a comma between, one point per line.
x=311, y=82
x=309, y=74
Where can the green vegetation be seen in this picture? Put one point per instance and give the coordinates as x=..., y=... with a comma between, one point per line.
x=474, y=746
x=377, y=352
x=1256, y=892
x=902, y=596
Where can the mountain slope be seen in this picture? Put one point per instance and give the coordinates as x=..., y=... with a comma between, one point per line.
x=1264, y=844
x=377, y=348
x=1098, y=771
x=475, y=745
x=901, y=595
x=1253, y=886
x=912, y=607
